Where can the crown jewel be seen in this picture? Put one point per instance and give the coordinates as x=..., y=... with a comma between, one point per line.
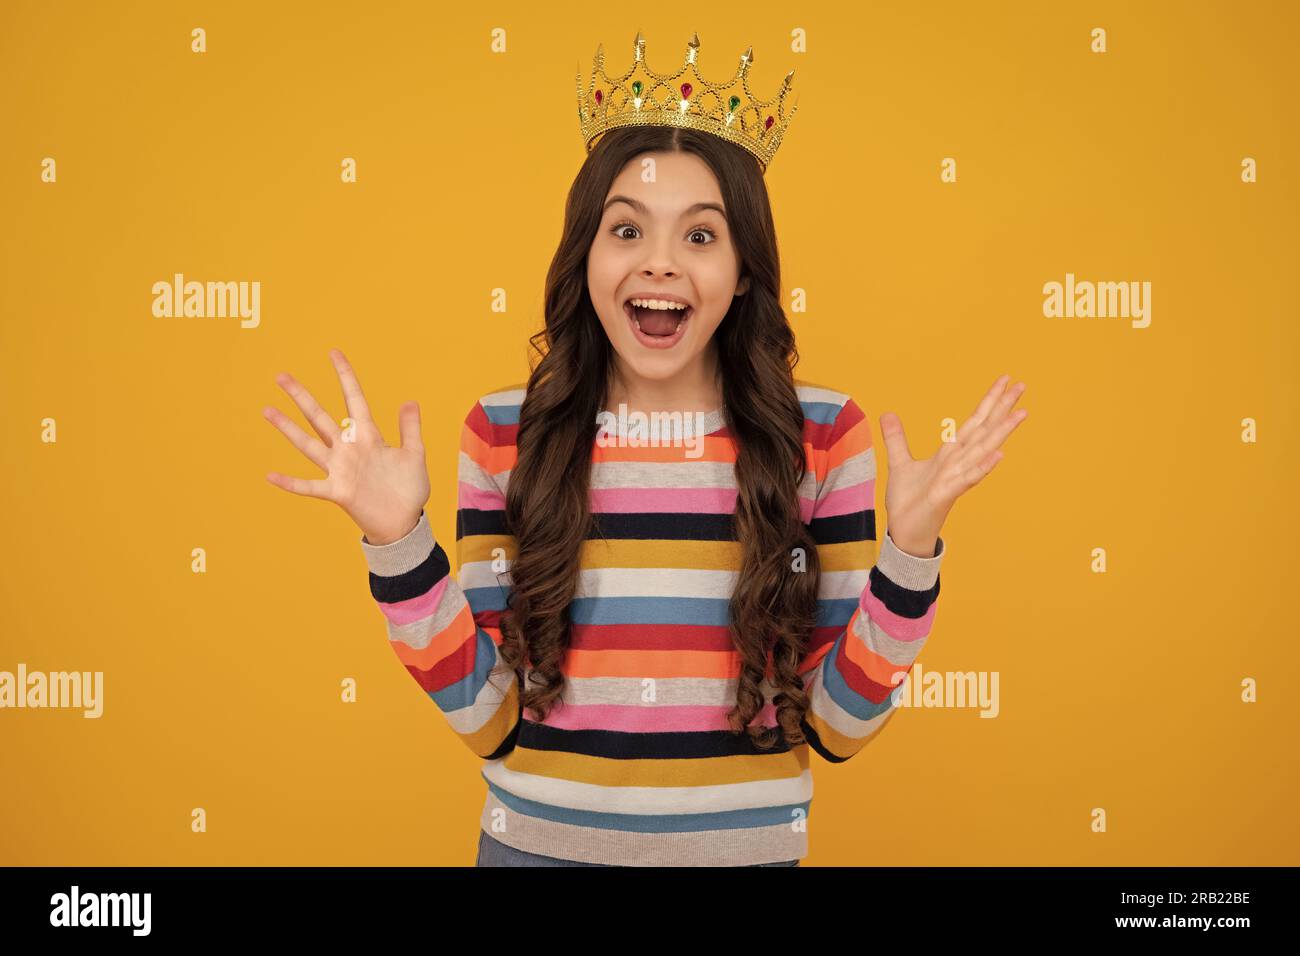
x=643, y=97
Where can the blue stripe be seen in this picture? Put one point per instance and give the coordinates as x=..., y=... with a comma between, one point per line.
x=836, y=612
x=464, y=692
x=822, y=413
x=487, y=598
x=650, y=610
x=845, y=696
x=502, y=414
x=655, y=822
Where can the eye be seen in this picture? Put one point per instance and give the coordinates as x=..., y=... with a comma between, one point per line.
x=617, y=231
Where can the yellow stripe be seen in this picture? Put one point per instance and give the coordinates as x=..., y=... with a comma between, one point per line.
x=685, y=772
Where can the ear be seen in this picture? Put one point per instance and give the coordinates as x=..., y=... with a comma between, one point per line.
x=742, y=286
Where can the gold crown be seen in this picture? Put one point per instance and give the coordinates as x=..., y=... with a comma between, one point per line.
x=643, y=97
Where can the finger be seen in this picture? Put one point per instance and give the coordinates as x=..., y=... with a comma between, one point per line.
x=310, y=488
x=315, y=451
x=358, y=409
x=996, y=414
x=985, y=406
x=974, y=474
x=408, y=426
x=1005, y=403
x=891, y=427
x=981, y=447
x=320, y=420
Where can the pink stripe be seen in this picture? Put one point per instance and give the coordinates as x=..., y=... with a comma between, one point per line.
x=420, y=606
x=899, y=628
x=844, y=501
x=665, y=500
x=471, y=497
x=642, y=719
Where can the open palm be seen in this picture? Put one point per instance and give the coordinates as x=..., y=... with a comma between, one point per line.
x=921, y=491
x=381, y=487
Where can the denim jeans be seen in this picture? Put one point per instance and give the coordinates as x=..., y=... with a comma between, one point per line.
x=492, y=852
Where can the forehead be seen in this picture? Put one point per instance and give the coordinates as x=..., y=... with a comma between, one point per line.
x=676, y=182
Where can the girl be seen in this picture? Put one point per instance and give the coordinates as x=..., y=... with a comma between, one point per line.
x=651, y=628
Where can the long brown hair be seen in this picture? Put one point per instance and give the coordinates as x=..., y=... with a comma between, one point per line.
x=772, y=610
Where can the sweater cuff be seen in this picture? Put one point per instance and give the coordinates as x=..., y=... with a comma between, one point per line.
x=907, y=570
x=398, y=557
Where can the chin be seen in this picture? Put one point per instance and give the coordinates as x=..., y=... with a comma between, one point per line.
x=654, y=367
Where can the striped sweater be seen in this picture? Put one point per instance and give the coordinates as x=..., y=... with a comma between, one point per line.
x=638, y=765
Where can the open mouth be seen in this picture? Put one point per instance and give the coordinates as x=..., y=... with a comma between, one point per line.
x=658, y=326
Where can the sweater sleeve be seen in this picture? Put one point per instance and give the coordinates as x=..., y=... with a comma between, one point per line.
x=875, y=605
x=445, y=629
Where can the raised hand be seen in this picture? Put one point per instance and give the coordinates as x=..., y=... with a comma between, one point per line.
x=382, y=488
x=921, y=492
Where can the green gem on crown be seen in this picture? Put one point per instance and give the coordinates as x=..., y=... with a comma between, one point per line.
x=733, y=103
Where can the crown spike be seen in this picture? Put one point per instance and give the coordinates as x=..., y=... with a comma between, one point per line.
x=728, y=109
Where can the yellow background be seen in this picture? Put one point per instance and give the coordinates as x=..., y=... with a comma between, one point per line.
x=222, y=690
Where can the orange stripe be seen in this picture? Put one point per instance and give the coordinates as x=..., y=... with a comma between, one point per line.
x=493, y=459
x=853, y=442
x=457, y=632
x=636, y=663
x=714, y=449
x=879, y=669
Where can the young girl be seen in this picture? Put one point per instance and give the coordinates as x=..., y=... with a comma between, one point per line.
x=652, y=627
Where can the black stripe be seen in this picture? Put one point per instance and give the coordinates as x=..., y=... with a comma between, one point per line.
x=815, y=743
x=836, y=529
x=668, y=745
x=472, y=521
x=509, y=743
x=900, y=600
x=674, y=527
x=414, y=582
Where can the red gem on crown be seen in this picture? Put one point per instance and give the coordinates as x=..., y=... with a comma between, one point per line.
x=686, y=91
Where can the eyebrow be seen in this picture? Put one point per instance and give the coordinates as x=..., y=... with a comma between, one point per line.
x=641, y=207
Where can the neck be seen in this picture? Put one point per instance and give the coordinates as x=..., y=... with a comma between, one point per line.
x=695, y=388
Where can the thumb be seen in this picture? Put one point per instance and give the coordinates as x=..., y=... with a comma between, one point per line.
x=408, y=424
x=891, y=427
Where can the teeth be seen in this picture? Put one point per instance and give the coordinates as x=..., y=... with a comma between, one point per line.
x=659, y=304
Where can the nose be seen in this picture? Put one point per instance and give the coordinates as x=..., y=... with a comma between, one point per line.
x=660, y=259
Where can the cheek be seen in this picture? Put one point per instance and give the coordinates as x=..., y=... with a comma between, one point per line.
x=704, y=331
